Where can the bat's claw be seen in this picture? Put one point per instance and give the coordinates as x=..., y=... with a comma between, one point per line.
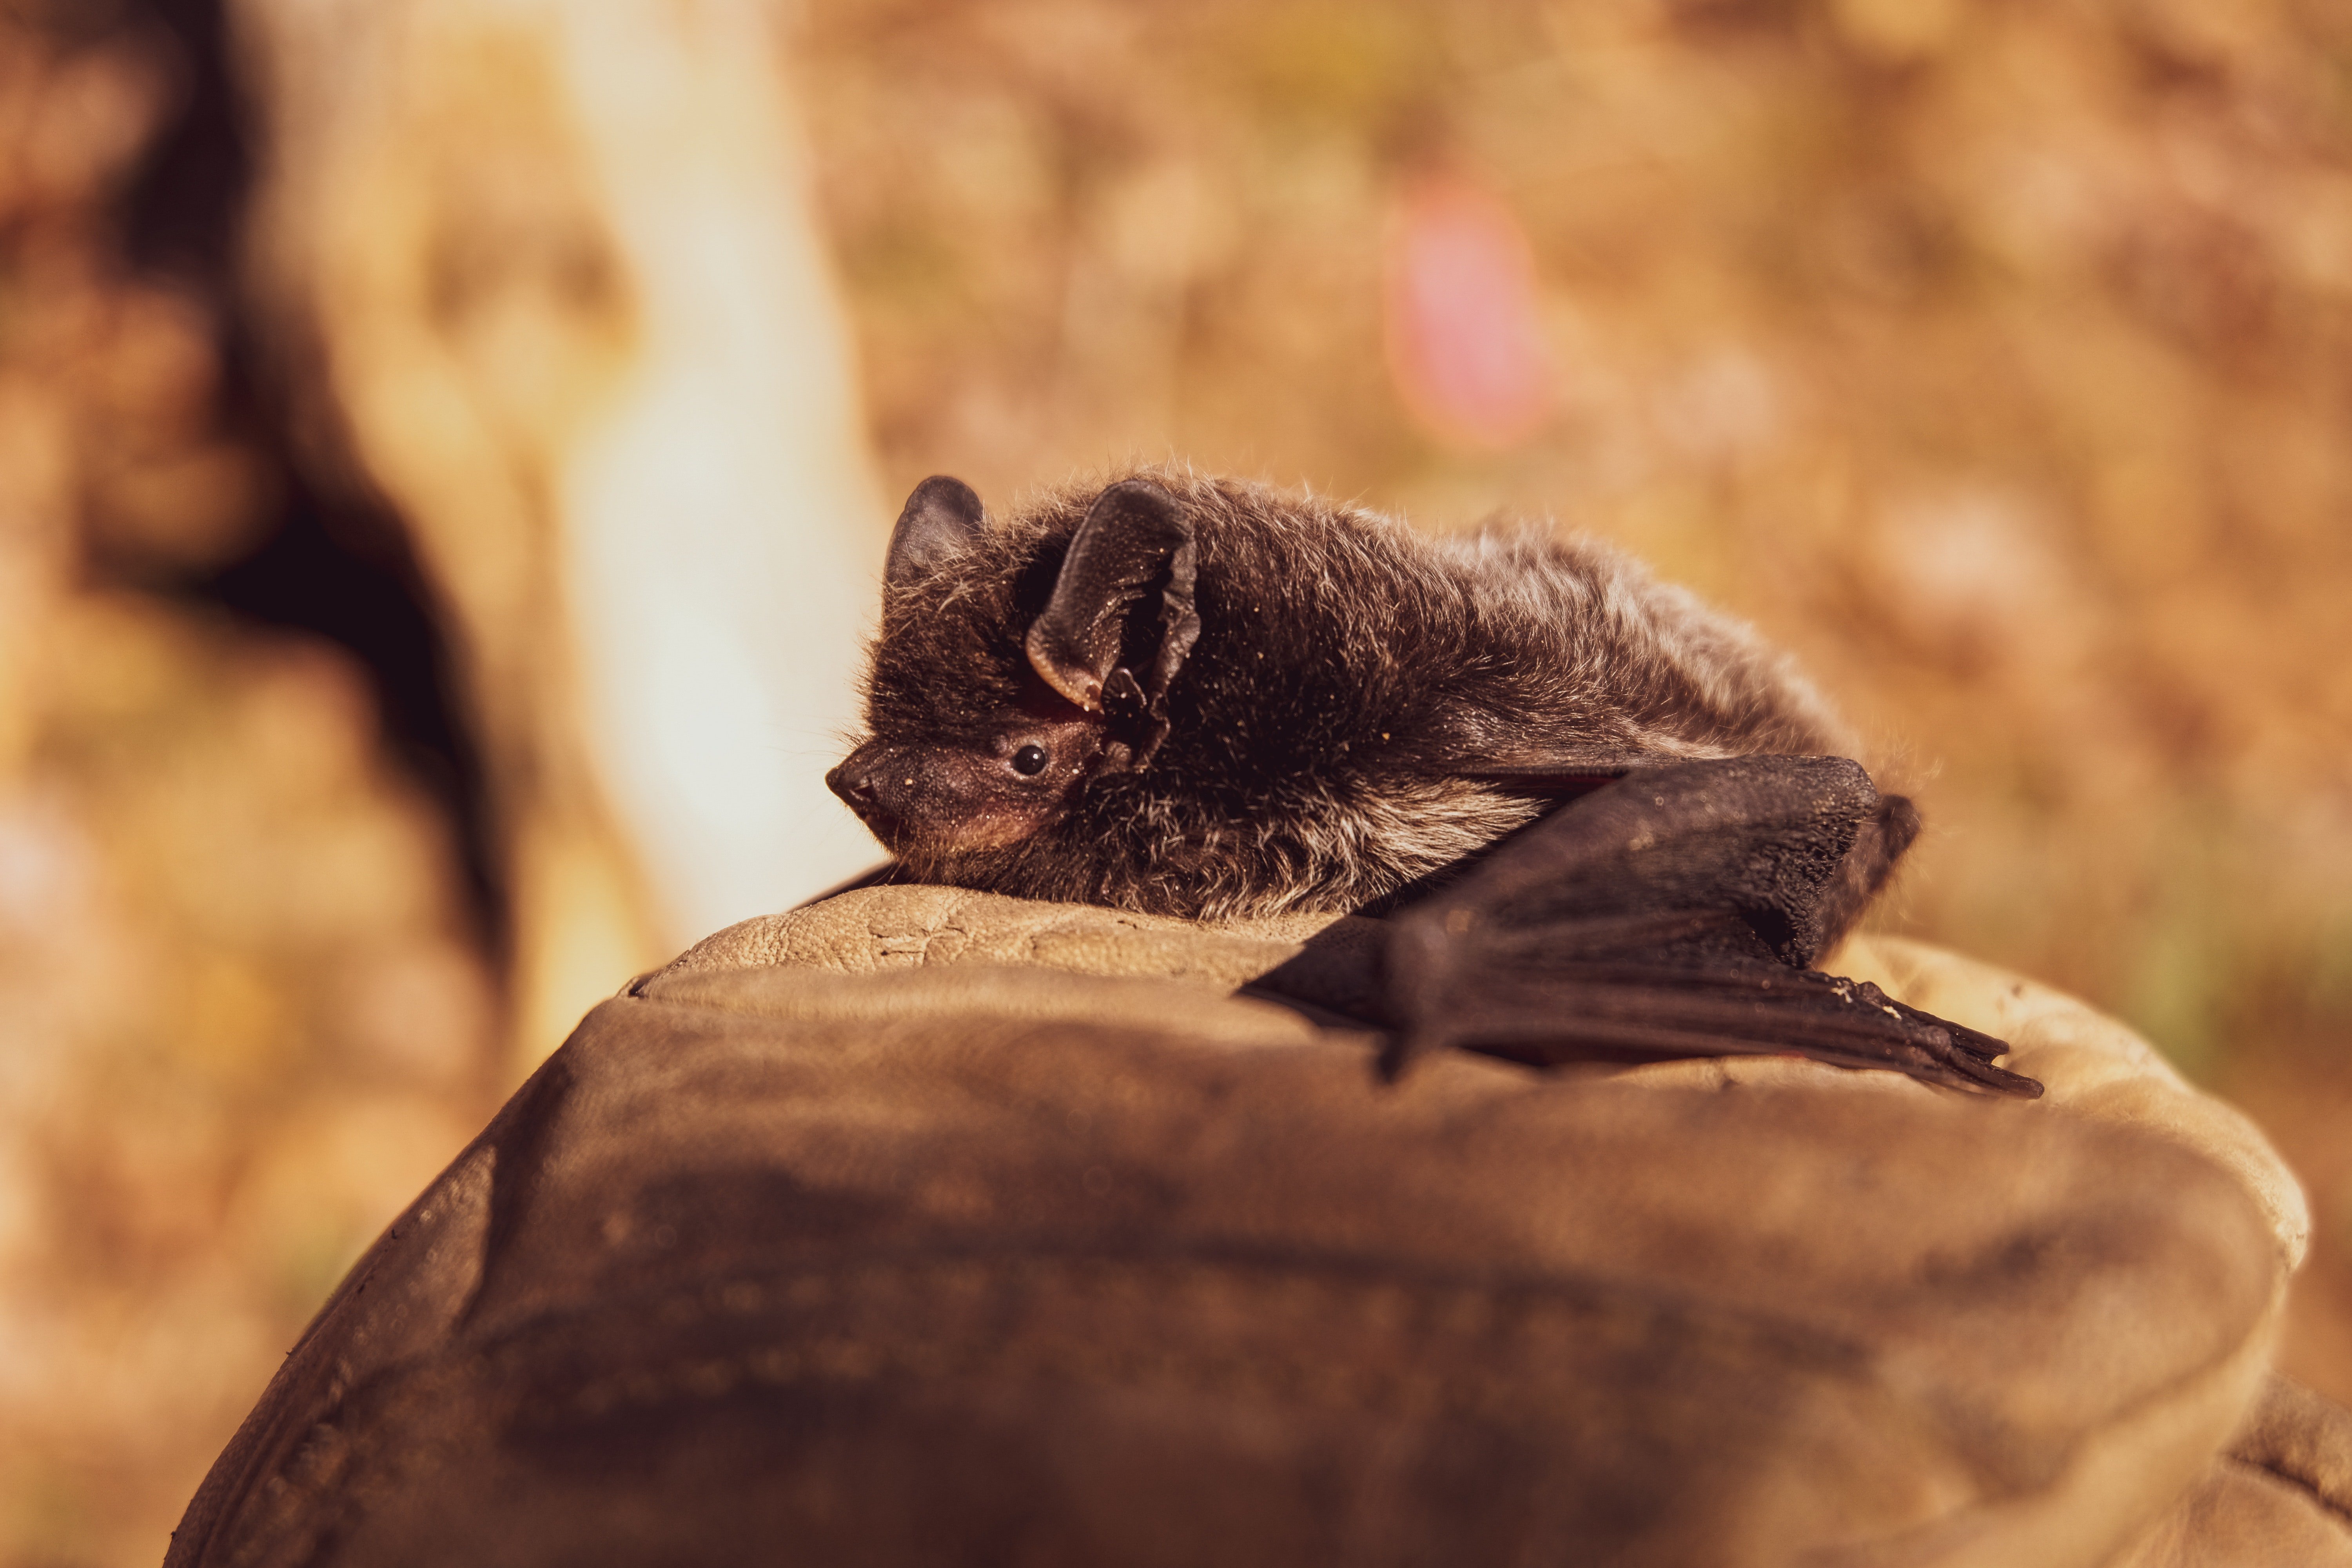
x=1936, y=1049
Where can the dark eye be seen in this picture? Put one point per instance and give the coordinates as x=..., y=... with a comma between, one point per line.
x=1030, y=760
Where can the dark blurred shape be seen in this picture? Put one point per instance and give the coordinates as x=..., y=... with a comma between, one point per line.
x=546, y=278
x=314, y=550
x=355, y=583
x=223, y=904
x=188, y=201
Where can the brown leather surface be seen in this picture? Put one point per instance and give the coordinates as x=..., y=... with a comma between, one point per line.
x=2305, y=1441
x=2092, y=1065
x=2279, y=1497
x=969, y=1262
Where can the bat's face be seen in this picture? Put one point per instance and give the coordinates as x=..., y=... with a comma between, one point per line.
x=928, y=794
x=992, y=707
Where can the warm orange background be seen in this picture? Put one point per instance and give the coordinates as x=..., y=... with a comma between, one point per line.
x=1996, y=357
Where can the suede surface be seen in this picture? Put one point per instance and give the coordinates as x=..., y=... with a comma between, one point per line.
x=922, y=1225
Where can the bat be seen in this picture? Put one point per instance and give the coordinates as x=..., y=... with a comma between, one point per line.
x=1603, y=820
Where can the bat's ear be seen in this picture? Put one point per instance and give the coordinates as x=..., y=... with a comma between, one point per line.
x=940, y=518
x=1125, y=588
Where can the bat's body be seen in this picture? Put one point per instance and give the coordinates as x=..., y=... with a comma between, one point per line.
x=1201, y=697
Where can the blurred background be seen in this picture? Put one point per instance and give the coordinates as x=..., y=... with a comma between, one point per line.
x=446, y=448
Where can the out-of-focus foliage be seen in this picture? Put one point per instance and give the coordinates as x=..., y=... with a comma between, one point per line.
x=1998, y=357
x=560, y=286
x=242, y=1017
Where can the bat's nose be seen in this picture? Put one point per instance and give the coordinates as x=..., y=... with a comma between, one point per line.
x=854, y=784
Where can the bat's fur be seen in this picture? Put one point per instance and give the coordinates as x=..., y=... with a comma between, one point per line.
x=1348, y=672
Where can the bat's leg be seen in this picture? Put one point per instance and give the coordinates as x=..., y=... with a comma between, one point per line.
x=1675, y=913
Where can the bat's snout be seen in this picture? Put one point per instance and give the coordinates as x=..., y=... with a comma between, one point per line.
x=930, y=800
x=865, y=785
x=874, y=781
x=891, y=788
x=853, y=783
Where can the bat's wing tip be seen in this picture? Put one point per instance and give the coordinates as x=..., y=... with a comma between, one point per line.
x=1971, y=1057
x=1991, y=1080
x=1971, y=1070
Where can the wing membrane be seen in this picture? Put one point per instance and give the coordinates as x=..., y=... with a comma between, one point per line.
x=1672, y=912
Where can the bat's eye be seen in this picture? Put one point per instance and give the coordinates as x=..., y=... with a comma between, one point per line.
x=1030, y=761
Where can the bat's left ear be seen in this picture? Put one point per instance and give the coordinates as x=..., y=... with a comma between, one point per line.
x=940, y=518
x=1126, y=587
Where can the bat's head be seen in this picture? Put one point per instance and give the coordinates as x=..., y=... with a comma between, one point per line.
x=1015, y=668
x=1190, y=696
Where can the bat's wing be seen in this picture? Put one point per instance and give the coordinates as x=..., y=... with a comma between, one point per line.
x=1671, y=912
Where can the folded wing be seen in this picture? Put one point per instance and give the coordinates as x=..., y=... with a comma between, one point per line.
x=1672, y=912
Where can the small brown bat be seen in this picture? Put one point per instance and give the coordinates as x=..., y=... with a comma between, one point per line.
x=1610, y=823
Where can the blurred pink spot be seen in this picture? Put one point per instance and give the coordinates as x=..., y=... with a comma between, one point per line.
x=1465, y=343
